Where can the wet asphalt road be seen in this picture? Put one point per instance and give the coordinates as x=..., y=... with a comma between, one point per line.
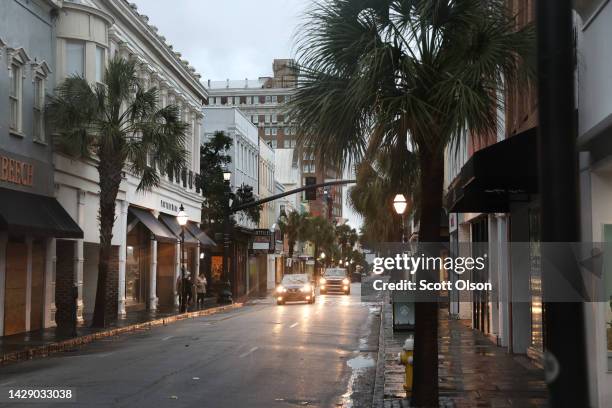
x=261, y=355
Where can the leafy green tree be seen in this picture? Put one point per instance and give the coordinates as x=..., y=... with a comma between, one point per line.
x=118, y=124
x=213, y=159
x=321, y=233
x=292, y=226
x=409, y=75
x=244, y=196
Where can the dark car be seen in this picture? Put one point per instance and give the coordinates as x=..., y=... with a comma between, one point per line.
x=295, y=288
x=335, y=280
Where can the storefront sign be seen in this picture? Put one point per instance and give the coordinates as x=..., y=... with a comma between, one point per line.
x=168, y=206
x=16, y=172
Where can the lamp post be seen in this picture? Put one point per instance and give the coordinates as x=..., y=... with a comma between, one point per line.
x=403, y=309
x=182, y=218
x=400, y=205
x=225, y=296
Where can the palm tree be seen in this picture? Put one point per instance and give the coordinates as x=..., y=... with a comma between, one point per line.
x=292, y=226
x=119, y=125
x=321, y=233
x=412, y=75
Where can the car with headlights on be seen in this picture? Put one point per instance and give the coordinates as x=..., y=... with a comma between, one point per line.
x=335, y=280
x=295, y=287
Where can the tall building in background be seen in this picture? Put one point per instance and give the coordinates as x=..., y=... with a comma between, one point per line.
x=264, y=101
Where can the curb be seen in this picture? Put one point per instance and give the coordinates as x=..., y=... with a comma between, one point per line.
x=56, y=347
x=379, y=383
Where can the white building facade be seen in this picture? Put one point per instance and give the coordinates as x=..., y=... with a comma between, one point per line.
x=89, y=33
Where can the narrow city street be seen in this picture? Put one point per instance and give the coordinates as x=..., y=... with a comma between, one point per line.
x=261, y=355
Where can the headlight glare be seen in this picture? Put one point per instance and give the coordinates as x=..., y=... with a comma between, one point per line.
x=345, y=281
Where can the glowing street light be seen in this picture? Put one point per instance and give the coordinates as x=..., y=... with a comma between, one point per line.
x=400, y=204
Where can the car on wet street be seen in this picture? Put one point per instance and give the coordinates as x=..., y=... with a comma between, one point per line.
x=296, y=287
x=335, y=280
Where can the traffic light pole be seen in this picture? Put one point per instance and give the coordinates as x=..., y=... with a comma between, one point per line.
x=246, y=206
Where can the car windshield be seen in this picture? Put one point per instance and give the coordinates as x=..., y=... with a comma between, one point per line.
x=295, y=279
x=335, y=272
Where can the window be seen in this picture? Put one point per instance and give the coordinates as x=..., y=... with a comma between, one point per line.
x=287, y=131
x=38, y=130
x=75, y=58
x=268, y=119
x=255, y=119
x=255, y=100
x=267, y=131
x=273, y=118
x=16, y=84
x=268, y=99
x=274, y=131
x=99, y=64
x=273, y=144
x=274, y=98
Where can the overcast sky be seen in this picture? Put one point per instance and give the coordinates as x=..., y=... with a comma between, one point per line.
x=233, y=39
x=222, y=39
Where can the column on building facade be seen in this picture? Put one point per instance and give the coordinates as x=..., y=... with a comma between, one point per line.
x=49, y=301
x=123, y=214
x=197, y=141
x=28, y=305
x=3, y=241
x=153, y=277
x=493, y=258
x=79, y=258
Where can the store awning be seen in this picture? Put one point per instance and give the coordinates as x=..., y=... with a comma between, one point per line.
x=205, y=240
x=33, y=214
x=497, y=175
x=173, y=225
x=161, y=232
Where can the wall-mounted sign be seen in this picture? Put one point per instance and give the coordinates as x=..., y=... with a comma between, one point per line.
x=168, y=206
x=16, y=171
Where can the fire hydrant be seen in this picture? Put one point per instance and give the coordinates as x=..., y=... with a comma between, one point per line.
x=405, y=359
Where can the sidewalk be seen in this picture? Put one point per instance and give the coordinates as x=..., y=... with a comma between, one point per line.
x=473, y=372
x=25, y=346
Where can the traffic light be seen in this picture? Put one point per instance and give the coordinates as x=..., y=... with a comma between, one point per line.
x=311, y=193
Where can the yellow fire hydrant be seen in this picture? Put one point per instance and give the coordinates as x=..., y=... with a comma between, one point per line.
x=405, y=358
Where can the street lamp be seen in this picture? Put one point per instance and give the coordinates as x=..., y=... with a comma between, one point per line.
x=399, y=205
x=227, y=175
x=225, y=295
x=182, y=218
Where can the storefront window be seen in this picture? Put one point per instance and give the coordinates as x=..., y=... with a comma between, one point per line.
x=607, y=233
x=137, y=266
x=535, y=282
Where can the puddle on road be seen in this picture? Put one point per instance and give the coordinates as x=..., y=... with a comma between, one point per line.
x=360, y=362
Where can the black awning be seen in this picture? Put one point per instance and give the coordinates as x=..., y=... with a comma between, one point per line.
x=33, y=214
x=495, y=175
x=171, y=222
x=205, y=240
x=161, y=233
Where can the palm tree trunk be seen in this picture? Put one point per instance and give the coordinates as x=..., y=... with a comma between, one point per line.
x=109, y=171
x=426, y=313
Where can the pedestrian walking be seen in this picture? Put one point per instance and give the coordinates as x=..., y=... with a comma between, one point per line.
x=201, y=289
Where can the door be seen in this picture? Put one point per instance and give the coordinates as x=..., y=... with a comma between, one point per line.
x=166, y=257
x=15, y=288
x=38, y=285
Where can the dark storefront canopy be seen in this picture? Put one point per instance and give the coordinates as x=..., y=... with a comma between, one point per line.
x=33, y=214
x=205, y=240
x=158, y=229
x=496, y=175
x=171, y=222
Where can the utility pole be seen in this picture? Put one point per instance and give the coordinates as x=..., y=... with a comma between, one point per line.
x=564, y=331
